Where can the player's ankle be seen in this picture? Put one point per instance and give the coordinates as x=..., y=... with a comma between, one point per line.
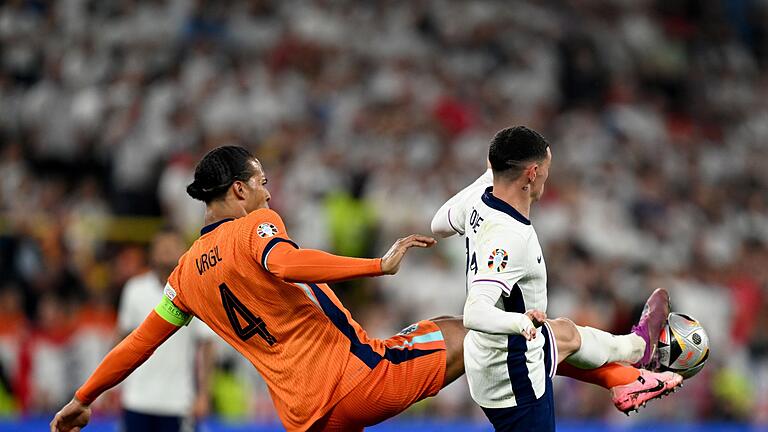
x=638, y=348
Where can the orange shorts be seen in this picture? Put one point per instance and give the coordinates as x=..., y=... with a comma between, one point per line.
x=413, y=368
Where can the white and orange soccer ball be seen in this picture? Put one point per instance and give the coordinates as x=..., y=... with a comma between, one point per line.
x=683, y=345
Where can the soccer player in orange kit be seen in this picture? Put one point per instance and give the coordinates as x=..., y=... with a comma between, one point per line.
x=253, y=286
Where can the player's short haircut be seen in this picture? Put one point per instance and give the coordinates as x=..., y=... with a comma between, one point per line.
x=513, y=148
x=217, y=170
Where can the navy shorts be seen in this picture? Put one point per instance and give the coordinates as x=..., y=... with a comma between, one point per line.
x=138, y=422
x=536, y=416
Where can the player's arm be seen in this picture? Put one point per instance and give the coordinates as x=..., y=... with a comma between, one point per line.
x=129, y=354
x=449, y=219
x=506, y=252
x=481, y=313
x=291, y=263
x=278, y=254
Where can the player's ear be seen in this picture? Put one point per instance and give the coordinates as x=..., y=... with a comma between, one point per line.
x=238, y=188
x=532, y=172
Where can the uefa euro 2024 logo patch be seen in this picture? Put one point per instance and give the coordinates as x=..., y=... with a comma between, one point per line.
x=498, y=260
x=266, y=230
x=169, y=292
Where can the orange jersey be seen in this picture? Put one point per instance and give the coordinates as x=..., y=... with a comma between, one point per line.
x=299, y=336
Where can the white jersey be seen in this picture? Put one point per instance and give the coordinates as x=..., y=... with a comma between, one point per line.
x=165, y=383
x=503, y=251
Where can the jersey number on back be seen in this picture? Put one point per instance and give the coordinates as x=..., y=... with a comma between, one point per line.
x=471, y=260
x=253, y=324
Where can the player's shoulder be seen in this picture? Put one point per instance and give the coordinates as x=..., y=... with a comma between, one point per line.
x=263, y=214
x=267, y=222
x=497, y=229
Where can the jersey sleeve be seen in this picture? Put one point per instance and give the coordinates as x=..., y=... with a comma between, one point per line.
x=501, y=261
x=451, y=216
x=310, y=265
x=265, y=231
x=481, y=313
x=171, y=306
x=279, y=255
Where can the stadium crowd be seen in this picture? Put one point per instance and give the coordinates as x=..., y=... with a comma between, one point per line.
x=366, y=116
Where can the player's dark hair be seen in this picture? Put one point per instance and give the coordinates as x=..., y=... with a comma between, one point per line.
x=513, y=148
x=217, y=170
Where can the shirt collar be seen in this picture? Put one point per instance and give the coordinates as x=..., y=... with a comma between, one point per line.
x=491, y=201
x=210, y=227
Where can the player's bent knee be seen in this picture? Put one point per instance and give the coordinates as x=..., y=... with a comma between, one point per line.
x=567, y=336
x=453, y=333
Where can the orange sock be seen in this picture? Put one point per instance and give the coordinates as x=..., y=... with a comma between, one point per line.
x=607, y=376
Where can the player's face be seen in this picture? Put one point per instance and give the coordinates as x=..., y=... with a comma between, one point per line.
x=258, y=195
x=537, y=189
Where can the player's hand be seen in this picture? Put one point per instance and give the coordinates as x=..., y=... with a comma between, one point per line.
x=527, y=330
x=538, y=318
x=390, y=262
x=73, y=417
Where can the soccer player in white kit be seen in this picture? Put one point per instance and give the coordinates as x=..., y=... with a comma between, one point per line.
x=509, y=369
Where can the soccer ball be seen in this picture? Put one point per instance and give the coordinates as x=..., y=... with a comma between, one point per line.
x=683, y=345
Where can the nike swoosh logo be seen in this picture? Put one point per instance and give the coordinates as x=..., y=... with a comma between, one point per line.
x=659, y=386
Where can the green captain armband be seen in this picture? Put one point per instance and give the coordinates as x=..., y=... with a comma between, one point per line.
x=171, y=313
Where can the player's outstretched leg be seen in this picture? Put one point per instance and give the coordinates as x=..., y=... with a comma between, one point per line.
x=589, y=348
x=630, y=387
x=595, y=347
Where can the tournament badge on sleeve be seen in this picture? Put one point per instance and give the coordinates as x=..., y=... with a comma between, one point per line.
x=497, y=261
x=266, y=230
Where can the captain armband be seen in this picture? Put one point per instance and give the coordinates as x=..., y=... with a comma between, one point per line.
x=171, y=313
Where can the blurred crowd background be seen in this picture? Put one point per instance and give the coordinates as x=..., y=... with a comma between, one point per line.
x=367, y=115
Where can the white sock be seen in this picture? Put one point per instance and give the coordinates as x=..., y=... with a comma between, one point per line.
x=599, y=347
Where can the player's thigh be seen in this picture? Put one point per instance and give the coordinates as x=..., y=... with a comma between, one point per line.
x=453, y=333
x=566, y=335
x=412, y=368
